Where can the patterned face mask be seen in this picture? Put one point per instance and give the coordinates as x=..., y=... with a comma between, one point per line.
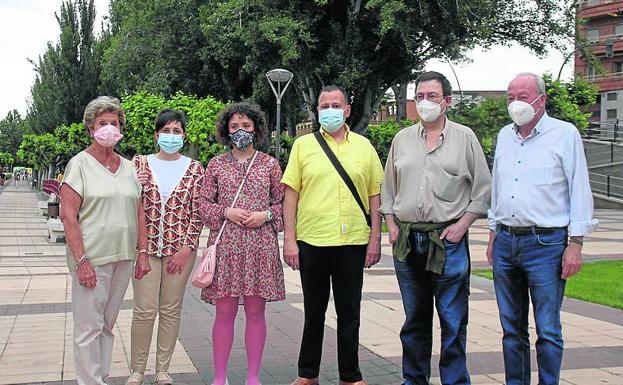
x=242, y=139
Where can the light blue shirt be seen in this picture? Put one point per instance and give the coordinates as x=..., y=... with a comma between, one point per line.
x=542, y=180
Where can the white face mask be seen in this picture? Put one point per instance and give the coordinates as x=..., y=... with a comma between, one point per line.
x=522, y=112
x=428, y=110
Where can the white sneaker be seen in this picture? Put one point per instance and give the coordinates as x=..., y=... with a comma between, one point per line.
x=163, y=378
x=134, y=379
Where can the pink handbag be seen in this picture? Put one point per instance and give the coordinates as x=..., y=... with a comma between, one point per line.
x=204, y=272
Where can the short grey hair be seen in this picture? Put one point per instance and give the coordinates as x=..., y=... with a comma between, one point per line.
x=98, y=106
x=538, y=79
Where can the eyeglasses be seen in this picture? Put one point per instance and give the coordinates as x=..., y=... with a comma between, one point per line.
x=430, y=96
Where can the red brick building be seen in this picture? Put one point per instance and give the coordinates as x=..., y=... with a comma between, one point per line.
x=603, y=27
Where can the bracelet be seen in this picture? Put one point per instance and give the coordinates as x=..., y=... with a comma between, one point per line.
x=576, y=240
x=142, y=251
x=82, y=260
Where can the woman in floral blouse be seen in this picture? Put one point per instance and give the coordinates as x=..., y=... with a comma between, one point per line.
x=248, y=268
x=171, y=184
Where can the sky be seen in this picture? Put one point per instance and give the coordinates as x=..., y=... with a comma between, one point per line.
x=26, y=26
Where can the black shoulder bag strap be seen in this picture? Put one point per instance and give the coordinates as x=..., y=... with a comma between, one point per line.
x=340, y=170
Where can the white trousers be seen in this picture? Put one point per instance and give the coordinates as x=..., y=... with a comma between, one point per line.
x=95, y=313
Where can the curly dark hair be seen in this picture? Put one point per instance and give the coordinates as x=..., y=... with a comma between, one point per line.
x=250, y=110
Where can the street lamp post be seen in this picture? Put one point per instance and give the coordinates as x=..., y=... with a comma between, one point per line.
x=279, y=76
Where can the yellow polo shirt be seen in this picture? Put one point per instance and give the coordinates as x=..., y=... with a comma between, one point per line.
x=327, y=213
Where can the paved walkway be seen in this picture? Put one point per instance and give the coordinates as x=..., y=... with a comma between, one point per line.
x=36, y=319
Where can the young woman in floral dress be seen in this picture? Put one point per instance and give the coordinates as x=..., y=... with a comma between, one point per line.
x=248, y=267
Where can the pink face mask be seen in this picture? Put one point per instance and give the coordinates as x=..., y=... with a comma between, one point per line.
x=107, y=135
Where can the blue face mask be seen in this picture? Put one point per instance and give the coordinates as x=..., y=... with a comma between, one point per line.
x=170, y=143
x=331, y=119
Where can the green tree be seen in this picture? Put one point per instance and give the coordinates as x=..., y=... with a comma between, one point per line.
x=485, y=118
x=569, y=101
x=71, y=140
x=381, y=136
x=6, y=159
x=38, y=151
x=155, y=46
x=12, y=129
x=68, y=72
x=368, y=46
x=159, y=47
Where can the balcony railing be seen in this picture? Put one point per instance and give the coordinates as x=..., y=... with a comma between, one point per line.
x=603, y=39
x=592, y=3
x=604, y=77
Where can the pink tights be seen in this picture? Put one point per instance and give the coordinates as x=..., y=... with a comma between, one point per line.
x=254, y=336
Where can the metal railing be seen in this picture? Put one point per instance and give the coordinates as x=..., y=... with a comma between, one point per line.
x=592, y=3
x=608, y=185
x=600, y=153
x=607, y=76
x=611, y=131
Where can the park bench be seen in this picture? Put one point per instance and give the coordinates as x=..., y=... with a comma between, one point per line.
x=55, y=229
x=42, y=206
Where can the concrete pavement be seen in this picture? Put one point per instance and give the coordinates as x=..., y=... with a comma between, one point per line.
x=36, y=319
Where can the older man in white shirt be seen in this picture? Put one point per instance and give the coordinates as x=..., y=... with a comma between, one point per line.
x=541, y=208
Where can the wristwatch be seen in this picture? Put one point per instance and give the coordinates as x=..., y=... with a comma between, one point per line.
x=269, y=215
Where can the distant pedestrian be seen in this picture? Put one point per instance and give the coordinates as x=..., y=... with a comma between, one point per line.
x=248, y=268
x=104, y=227
x=541, y=209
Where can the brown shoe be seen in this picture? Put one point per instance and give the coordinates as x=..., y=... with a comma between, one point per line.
x=305, y=381
x=354, y=383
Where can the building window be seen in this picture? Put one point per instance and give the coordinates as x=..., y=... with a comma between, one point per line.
x=590, y=72
x=592, y=35
x=611, y=96
x=611, y=114
x=618, y=30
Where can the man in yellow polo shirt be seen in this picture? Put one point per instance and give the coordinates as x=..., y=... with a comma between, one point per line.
x=326, y=233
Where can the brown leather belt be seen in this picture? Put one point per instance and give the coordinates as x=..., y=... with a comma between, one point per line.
x=529, y=230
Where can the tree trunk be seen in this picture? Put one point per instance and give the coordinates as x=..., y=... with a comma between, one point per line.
x=50, y=171
x=400, y=93
x=362, y=111
x=193, y=151
x=291, y=123
x=310, y=95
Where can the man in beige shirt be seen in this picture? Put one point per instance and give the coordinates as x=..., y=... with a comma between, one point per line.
x=436, y=185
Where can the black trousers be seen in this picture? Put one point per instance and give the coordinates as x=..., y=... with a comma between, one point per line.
x=340, y=267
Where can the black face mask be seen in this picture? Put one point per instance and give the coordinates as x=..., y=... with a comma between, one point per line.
x=242, y=139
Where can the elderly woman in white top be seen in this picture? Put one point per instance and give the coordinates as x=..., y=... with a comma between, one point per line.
x=104, y=226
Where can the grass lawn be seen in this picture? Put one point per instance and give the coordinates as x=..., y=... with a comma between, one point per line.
x=598, y=282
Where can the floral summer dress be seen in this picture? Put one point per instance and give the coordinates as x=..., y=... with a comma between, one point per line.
x=247, y=262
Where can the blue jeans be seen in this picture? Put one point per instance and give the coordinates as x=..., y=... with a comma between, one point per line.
x=449, y=291
x=529, y=266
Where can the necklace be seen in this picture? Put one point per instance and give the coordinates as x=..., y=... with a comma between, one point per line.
x=107, y=164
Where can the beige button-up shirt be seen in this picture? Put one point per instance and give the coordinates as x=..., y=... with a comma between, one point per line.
x=438, y=185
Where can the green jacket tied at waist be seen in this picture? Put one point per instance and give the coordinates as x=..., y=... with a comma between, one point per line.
x=436, y=250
